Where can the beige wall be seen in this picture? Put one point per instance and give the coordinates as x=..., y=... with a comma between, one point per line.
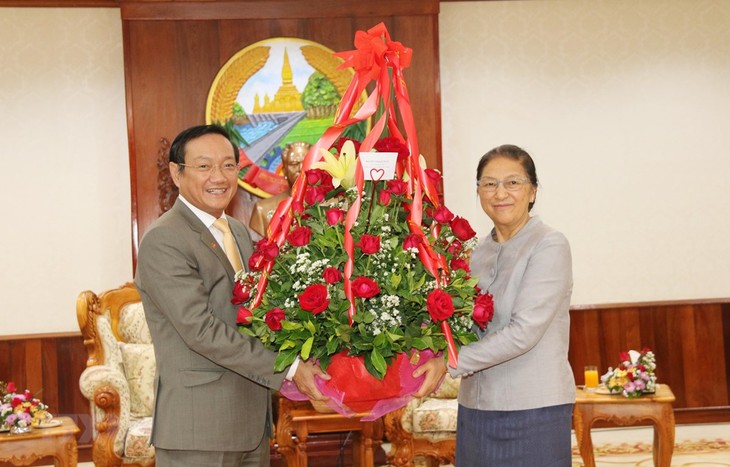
x=64, y=171
x=625, y=106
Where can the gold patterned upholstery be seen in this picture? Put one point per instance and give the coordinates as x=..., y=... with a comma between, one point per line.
x=425, y=428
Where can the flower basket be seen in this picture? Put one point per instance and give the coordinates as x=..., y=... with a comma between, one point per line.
x=363, y=269
x=19, y=412
x=634, y=376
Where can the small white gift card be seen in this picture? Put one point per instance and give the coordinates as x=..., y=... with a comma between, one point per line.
x=378, y=166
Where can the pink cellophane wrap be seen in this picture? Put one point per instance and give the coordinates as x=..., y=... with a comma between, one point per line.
x=354, y=392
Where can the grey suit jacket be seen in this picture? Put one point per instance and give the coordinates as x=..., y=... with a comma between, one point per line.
x=521, y=362
x=212, y=382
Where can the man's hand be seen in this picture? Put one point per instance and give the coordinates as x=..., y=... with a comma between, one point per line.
x=304, y=379
x=434, y=369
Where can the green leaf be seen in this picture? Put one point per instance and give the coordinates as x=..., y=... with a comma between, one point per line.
x=332, y=345
x=284, y=359
x=378, y=362
x=307, y=347
x=290, y=326
x=288, y=344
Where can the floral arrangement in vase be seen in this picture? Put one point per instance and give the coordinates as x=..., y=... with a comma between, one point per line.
x=364, y=270
x=634, y=376
x=20, y=411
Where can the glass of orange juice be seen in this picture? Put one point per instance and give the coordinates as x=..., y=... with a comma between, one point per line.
x=590, y=372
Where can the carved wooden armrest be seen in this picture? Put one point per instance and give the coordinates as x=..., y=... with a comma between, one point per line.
x=401, y=451
x=107, y=390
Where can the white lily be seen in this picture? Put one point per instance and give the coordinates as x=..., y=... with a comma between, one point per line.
x=342, y=169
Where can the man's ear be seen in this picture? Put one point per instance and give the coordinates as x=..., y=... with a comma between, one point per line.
x=174, y=173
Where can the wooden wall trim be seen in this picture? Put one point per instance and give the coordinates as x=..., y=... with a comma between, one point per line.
x=660, y=303
x=47, y=335
x=272, y=9
x=60, y=3
x=106, y=3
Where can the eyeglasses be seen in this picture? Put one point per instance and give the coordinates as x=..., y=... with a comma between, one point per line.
x=227, y=168
x=490, y=185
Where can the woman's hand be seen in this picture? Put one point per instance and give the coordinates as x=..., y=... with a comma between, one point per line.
x=434, y=369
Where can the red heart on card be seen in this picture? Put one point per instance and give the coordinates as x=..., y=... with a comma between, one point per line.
x=376, y=174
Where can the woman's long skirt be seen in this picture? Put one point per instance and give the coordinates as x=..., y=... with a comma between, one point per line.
x=517, y=438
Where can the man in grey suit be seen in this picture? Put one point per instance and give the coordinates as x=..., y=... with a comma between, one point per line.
x=212, y=388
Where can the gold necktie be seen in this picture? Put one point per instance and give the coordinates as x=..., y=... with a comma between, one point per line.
x=229, y=244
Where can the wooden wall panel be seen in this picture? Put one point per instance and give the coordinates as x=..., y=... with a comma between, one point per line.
x=50, y=365
x=173, y=51
x=690, y=340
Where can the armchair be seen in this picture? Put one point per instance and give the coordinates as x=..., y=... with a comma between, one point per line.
x=119, y=375
x=425, y=427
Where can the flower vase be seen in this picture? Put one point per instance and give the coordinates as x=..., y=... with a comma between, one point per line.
x=20, y=430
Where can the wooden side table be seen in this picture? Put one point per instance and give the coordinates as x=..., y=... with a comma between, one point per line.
x=59, y=442
x=297, y=420
x=620, y=410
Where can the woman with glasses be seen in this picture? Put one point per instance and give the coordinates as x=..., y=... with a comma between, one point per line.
x=517, y=389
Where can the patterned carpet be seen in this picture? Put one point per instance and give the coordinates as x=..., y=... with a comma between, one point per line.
x=696, y=445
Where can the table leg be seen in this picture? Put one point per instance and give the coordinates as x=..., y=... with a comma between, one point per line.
x=302, y=433
x=664, y=437
x=359, y=455
x=66, y=452
x=582, y=421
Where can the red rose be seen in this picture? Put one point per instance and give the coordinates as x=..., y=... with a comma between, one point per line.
x=314, y=299
x=240, y=293
x=256, y=262
x=455, y=247
x=483, y=310
x=314, y=195
x=434, y=175
x=244, y=315
x=318, y=177
x=369, y=244
x=392, y=144
x=397, y=187
x=458, y=263
x=331, y=275
x=364, y=287
x=624, y=357
x=299, y=236
x=411, y=241
x=268, y=248
x=10, y=386
x=341, y=142
x=384, y=197
x=440, y=305
x=461, y=228
x=443, y=215
x=334, y=216
x=274, y=317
